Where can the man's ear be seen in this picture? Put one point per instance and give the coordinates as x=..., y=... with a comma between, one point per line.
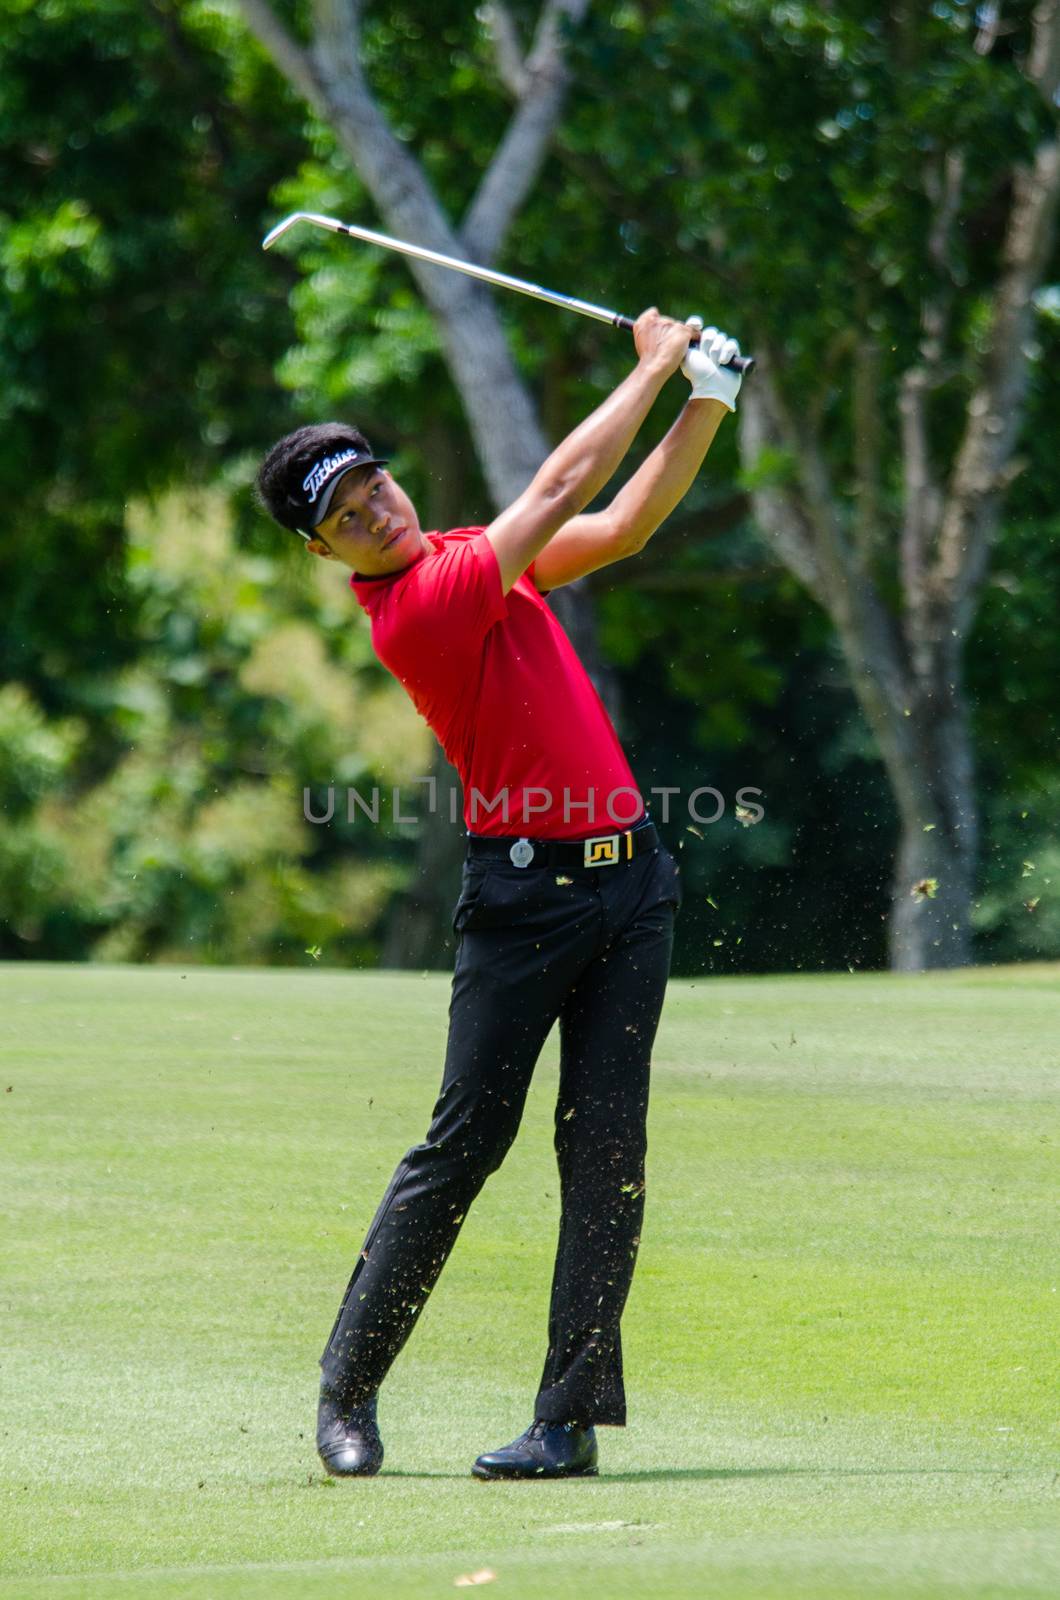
x=317, y=547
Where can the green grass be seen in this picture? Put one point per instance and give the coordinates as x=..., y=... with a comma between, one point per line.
x=840, y=1345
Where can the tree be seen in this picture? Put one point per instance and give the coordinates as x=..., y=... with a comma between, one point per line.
x=961, y=404
x=759, y=164
x=874, y=196
x=138, y=333
x=328, y=73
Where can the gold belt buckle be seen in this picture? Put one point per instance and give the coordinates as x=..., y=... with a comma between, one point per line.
x=601, y=851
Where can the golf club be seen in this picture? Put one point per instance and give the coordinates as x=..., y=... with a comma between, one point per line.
x=501, y=280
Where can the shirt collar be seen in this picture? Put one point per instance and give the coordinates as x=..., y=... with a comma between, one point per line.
x=368, y=588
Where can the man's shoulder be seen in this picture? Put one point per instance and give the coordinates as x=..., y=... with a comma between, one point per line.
x=438, y=558
x=454, y=586
x=457, y=535
x=441, y=548
x=392, y=585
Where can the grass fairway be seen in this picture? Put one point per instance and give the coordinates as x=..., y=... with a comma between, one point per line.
x=841, y=1344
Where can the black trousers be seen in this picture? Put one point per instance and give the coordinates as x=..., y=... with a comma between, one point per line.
x=591, y=947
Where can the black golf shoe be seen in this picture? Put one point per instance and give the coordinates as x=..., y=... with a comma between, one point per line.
x=545, y=1450
x=348, y=1441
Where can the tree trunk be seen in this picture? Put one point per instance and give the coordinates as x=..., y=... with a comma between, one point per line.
x=923, y=932
x=905, y=660
x=509, y=438
x=418, y=933
x=934, y=876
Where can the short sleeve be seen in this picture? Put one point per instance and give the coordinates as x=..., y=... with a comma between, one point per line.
x=457, y=594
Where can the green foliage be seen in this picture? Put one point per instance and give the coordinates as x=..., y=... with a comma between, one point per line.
x=366, y=349
x=138, y=326
x=36, y=757
x=782, y=155
x=35, y=753
x=175, y=679
x=193, y=843
x=1017, y=915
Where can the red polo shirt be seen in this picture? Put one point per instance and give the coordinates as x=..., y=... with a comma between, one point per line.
x=498, y=680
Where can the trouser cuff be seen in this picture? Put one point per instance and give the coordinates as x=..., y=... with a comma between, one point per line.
x=553, y=1405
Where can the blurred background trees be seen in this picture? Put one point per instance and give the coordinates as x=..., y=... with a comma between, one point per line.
x=174, y=674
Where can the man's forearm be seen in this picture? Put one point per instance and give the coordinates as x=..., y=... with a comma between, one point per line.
x=589, y=456
x=579, y=467
x=664, y=479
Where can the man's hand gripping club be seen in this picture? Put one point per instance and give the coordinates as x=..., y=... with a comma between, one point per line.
x=580, y=467
x=594, y=540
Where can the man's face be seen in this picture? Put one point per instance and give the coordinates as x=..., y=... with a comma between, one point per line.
x=371, y=525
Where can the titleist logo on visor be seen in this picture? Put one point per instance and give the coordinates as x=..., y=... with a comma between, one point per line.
x=324, y=469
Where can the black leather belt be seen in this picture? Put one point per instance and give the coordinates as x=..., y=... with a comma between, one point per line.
x=602, y=850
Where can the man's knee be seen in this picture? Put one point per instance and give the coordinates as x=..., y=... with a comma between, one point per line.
x=467, y=1148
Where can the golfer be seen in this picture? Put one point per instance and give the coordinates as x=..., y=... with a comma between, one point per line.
x=567, y=904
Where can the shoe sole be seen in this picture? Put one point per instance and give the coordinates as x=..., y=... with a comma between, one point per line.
x=343, y=1472
x=490, y=1474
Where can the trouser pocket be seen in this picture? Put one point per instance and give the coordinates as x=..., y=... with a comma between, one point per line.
x=472, y=880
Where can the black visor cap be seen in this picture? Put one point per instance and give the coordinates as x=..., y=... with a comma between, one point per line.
x=324, y=478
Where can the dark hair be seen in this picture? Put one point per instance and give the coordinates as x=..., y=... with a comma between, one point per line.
x=282, y=473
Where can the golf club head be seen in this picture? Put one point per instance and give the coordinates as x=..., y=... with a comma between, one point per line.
x=331, y=223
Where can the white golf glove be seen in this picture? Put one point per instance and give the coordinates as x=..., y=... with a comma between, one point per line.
x=705, y=370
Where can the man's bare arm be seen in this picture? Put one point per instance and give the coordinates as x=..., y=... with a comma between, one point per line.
x=587, y=543
x=579, y=467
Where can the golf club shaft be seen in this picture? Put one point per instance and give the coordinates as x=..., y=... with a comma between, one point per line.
x=500, y=280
